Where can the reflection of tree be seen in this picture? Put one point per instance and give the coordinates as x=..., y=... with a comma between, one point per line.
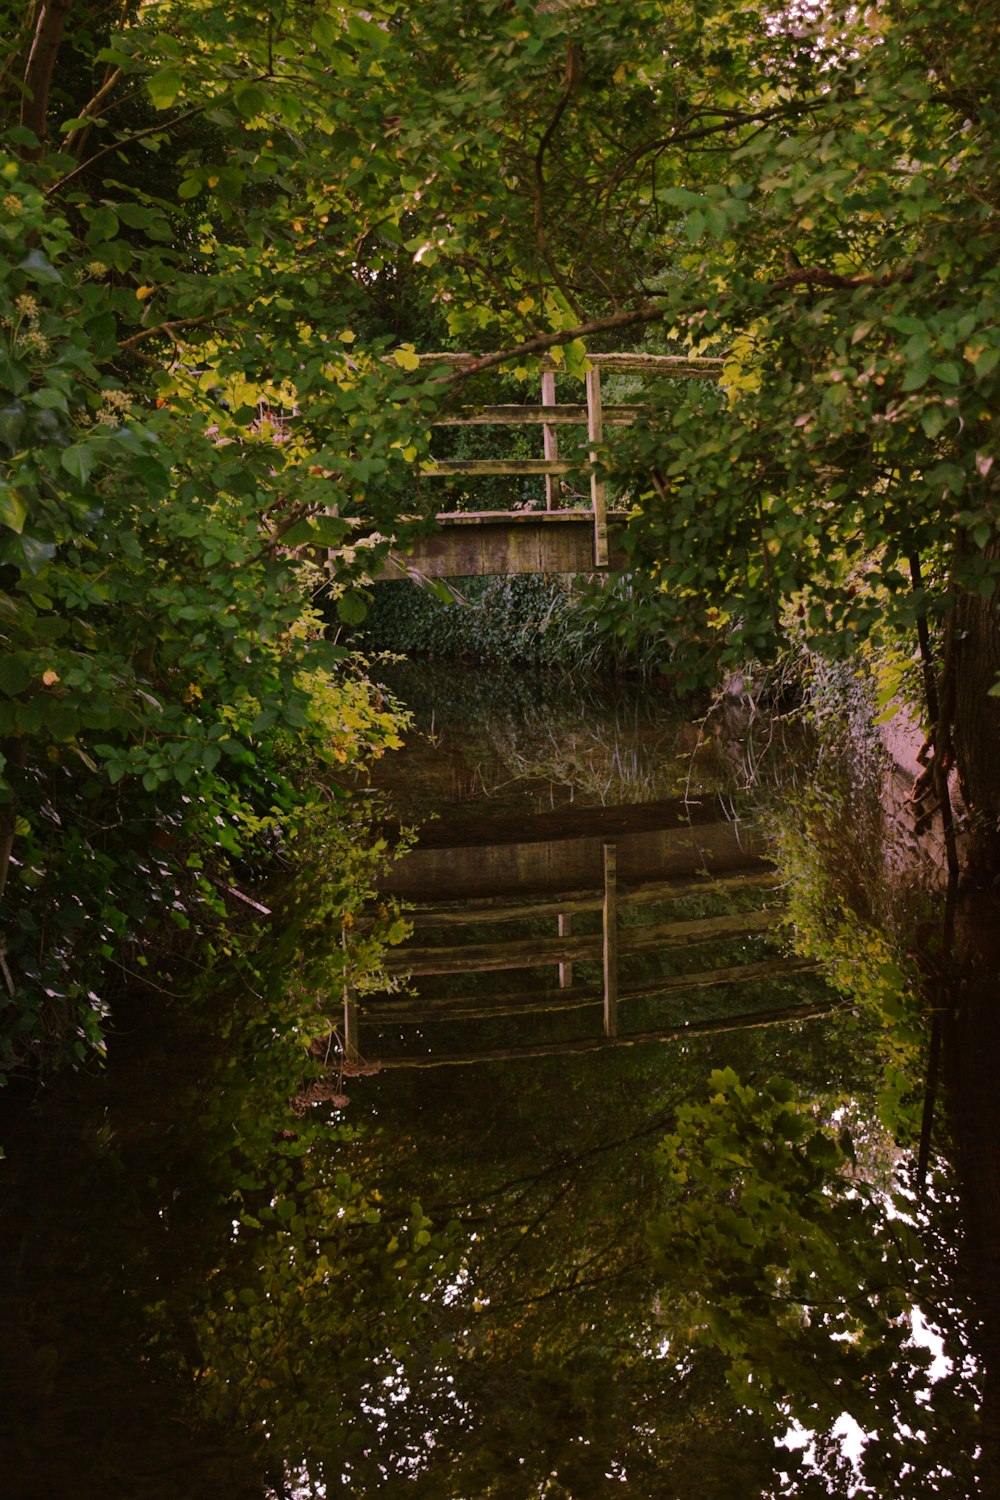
x=268, y=1286
x=204, y=1293
x=775, y=1251
x=558, y=1355
x=859, y=889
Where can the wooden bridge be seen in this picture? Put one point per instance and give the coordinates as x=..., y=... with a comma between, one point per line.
x=523, y=878
x=553, y=540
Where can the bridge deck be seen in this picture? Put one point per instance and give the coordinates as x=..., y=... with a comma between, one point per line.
x=491, y=542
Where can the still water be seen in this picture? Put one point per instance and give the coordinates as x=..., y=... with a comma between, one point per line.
x=462, y=1264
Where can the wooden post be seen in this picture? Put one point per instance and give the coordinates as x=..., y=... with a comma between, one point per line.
x=350, y=1022
x=350, y=1006
x=598, y=493
x=550, y=442
x=610, y=933
x=565, y=970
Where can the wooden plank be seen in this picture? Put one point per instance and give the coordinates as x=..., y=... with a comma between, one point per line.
x=751, y=1021
x=598, y=489
x=550, y=442
x=421, y=1008
x=558, y=414
x=539, y=865
x=472, y=467
x=609, y=937
x=471, y=1010
x=685, y=366
x=536, y=542
x=549, y=520
x=503, y=909
x=565, y=930
x=350, y=1022
x=698, y=367
x=538, y=952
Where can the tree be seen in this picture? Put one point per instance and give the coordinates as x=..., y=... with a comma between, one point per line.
x=168, y=699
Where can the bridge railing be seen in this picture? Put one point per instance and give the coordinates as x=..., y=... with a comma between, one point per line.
x=551, y=415
x=418, y=959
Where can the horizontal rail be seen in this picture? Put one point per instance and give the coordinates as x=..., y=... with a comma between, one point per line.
x=565, y=415
x=445, y=467
x=503, y=909
x=448, y=519
x=530, y=953
x=688, y=367
x=420, y=1009
x=749, y=1022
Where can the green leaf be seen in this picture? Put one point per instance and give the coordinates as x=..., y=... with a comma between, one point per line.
x=324, y=654
x=680, y=197
x=79, y=461
x=103, y=223
x=250, y=101
x=330, y=530
x=13, y=511
x=136, y=216
x=352, y=607
x=916, y=376
x=949, y=372
x=300, y=535
x=164, y=87
x=20, y=135
x=694, y=226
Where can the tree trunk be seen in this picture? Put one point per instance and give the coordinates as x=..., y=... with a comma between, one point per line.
x=972, y=1061
x=50, y=19
x=976, y=731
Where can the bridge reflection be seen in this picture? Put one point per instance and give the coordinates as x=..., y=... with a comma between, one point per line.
x=597, y=888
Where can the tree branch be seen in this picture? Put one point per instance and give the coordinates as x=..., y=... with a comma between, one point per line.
x=88, y=112
x=647, y=313
x=149, y=333
x=129, y=140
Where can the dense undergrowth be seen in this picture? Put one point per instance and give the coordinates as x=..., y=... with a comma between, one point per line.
x=536, y=619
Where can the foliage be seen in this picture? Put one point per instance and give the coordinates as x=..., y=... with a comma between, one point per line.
x=857, y=882
x=215, y=1295
x=168, y=695
x=774, y=1249
x=534, y=619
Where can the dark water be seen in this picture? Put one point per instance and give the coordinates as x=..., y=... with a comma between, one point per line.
x=438, y=1280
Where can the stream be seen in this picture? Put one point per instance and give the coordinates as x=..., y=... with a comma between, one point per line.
x=448, y=1267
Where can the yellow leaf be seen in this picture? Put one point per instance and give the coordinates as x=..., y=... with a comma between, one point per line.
x=406, y=357
x=347, y=335
x=143, y=292
x=526, y=304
